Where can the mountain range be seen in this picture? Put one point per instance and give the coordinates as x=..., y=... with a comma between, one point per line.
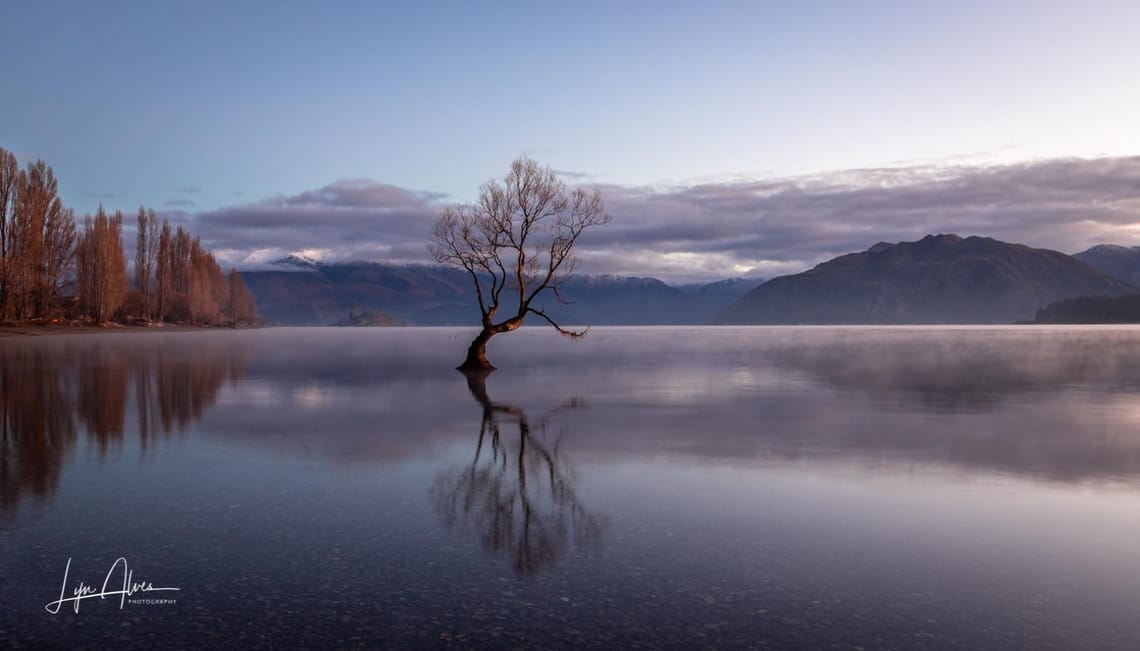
x=938, y=279
x=305, y=292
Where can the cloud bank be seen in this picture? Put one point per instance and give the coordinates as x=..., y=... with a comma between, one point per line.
x=715, y=230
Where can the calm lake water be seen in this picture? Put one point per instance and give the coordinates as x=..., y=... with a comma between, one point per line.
x=973, y=488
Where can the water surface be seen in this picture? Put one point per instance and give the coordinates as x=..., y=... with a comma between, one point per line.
x=663, y=487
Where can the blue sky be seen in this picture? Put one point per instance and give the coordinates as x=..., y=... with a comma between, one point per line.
x=205, y=106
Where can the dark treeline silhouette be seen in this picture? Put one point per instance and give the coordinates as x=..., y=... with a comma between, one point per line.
x=1092, y=309
x=50, y=268
x=53, y=392
x=521, y=502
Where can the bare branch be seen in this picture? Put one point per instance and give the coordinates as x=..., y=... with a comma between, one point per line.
x=562, y=331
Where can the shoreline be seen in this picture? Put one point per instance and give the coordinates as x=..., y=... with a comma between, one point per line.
x=33, y=330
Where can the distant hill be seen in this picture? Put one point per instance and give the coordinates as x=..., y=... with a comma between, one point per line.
x=938, y=279
x=366, y=319
x=306, y=292
x=1122, y=262
x=710, y=299
x=615, y=300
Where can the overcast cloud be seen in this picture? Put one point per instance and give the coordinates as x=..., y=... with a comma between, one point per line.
x=715, y=230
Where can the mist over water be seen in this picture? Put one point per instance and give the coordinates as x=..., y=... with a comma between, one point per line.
x=771, y=487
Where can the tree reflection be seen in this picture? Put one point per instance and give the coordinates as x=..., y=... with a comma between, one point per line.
x=517, y=495
x=35, y=433
x=101, y=397
x=51, y=390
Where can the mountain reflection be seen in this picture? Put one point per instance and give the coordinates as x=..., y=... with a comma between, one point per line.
x=957, y=372
x=517, y=494
x=52, y=390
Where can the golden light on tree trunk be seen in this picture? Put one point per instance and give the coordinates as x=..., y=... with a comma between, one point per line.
x=516, y=243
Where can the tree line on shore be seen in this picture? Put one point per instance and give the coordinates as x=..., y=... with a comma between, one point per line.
x=52, y=268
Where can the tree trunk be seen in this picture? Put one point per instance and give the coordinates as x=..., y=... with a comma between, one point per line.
x=477, y=352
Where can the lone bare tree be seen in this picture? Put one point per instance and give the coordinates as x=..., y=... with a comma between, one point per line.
x=519, y=237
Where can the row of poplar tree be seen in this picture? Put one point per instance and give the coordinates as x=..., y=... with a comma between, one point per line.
x=50, y=268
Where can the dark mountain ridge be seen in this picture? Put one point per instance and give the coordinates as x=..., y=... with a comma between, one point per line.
x=306, y=292
x=938, y=279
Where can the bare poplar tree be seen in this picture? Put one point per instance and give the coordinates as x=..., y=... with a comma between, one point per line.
x=35, y=189
x=114, y=267
x=59, y=250
x=102, y=266
x=86, y=264
x=179, y=307
x=162, y=261
x=142, y=261
x=9, y=173
x=518, y=237
x=241, y=307
x=207, y=286
x=37, y=238
x=151, y=260
x=146, y=258
x=41, y=234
